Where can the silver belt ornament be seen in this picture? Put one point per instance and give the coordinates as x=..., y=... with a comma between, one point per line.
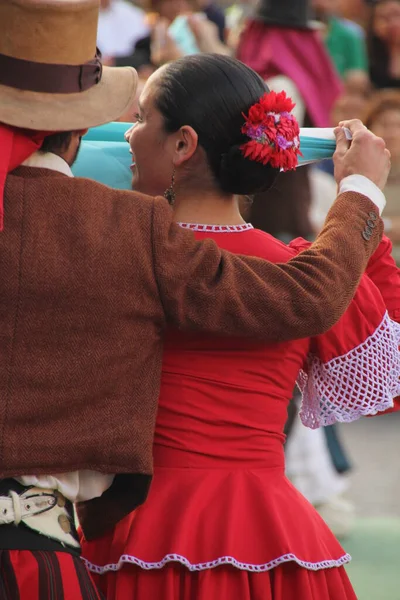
x=42, y=510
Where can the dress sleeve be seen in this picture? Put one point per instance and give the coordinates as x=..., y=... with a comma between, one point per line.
x=352, y=370
x=384, y=272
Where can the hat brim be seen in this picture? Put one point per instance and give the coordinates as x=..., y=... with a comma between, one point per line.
x=104, y=102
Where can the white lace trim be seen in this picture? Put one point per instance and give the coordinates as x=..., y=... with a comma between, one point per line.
x=362, y=382
x=217, y=228
x=224, y=560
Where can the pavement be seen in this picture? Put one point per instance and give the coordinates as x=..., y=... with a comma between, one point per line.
x=374, y=448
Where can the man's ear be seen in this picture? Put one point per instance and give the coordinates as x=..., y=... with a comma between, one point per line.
x=186, y=142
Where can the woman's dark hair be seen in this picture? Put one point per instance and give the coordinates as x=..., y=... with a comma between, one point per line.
x=210, y=93
x=378, y=53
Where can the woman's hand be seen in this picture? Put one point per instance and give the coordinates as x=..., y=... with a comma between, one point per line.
x=163, y=48
x=206, y=34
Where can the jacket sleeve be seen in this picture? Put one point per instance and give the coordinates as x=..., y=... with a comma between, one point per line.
x=204, y=287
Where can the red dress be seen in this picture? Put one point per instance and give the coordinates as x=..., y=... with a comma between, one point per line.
x=222, y=521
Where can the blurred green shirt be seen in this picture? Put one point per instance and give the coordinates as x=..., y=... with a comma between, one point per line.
x=346, y=46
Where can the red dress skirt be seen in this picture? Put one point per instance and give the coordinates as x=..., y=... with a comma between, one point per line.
x=235, y=532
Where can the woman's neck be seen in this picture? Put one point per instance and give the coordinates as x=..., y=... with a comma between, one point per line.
x=207, y=209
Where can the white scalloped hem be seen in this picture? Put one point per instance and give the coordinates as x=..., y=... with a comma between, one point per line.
x=361, y=383
x=224, y=560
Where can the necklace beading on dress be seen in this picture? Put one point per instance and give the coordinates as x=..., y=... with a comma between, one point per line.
x=217, y=228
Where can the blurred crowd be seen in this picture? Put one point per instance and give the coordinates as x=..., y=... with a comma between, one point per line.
x=337, y=59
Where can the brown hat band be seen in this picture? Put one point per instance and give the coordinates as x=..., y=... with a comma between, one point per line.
x=50, y=78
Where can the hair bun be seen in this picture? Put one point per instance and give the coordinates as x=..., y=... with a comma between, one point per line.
x=241, y=176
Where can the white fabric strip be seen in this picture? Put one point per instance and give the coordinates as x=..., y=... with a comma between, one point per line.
x=363, y=185
x=48, y=160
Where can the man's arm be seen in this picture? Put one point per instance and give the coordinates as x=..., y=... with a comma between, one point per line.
x=204, y=287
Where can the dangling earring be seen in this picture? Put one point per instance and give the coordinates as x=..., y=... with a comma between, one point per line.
x=169, y=194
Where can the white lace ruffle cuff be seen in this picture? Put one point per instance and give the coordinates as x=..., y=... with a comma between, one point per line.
x=362, y=382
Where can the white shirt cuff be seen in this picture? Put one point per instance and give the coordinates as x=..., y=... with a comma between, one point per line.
x=363, y=185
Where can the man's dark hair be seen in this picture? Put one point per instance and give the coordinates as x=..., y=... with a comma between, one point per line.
x=57, y=143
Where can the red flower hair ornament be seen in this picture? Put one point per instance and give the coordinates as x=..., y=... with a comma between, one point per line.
x=273, y=132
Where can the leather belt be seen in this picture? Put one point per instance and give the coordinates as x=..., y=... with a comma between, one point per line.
x=43, y=511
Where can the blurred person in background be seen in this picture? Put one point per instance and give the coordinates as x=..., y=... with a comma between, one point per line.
x=177, y=28
x=345, y=42
x=355, y=11
x=384, y=44
x=171, y=9
x=215, y=14
x=325, y=477
x=121, y=25
x=236, y=19
x=382, y=116
x=284, y=46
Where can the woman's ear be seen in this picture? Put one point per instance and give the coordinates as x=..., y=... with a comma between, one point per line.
x=186, y=142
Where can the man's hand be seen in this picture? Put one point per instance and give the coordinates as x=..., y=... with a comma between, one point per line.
x=366, y=154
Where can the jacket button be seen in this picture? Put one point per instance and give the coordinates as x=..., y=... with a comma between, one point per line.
x=64, y=523
x=371, y=223
x=373, y=216
x=368, y=230
x=366, y=235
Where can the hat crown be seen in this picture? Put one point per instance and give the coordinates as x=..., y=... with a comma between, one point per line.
x=49, y=31
x=285, y=13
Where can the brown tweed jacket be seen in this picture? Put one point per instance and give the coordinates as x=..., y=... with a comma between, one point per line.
x=89, y=278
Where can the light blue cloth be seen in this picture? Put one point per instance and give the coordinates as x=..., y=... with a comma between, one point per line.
x=315, y=149
x=105, y=162
x=105, y=157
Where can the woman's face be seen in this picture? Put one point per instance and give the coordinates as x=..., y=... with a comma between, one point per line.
x=386, y=23
x=387, y=126
x=151, y=146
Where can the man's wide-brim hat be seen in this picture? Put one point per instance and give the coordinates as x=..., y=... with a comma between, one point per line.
x=51, y=76
x=296, y=14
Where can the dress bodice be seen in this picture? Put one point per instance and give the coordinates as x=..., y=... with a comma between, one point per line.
x=244, y=386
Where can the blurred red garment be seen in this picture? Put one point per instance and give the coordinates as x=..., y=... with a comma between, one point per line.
x=300, y=55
